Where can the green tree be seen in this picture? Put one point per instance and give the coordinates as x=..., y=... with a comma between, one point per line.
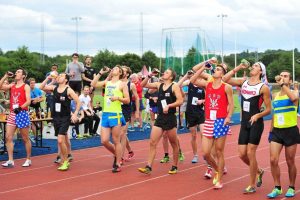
x=133, y=61
x=150, y=59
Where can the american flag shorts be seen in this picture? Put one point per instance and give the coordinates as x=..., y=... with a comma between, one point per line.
x=216, y=128
x=21, y=120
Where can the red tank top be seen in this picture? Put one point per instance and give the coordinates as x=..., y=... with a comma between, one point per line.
x=216, y=102
x=139, y=90
x=17, y=96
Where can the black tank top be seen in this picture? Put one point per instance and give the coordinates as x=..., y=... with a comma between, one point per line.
x=167, y=96
x=64, y=101
x=195, y=93
x=128, y=106
x=251, y=100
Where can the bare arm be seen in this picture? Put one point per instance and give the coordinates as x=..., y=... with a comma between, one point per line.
x=74, y=96
x=233, y=81
x=293, y=95
x=145, y=83
x=125, y=99
x=45, y=87
x=28, y=99
x=230, y=108
x=183, y=82
x=179, y=98
x=136, y=96
x=265, y=92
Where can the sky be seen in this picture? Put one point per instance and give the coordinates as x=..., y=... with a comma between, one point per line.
x=115, y=25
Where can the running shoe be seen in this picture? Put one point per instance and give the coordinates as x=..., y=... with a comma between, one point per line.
x=249, y=190
x=70, y=157
x=173, y=170
x=208, y=173
x=79, y=137
x=57, y=160
x=145, y=170
x=259, y=178
x=195, y=159
x=27, y=163
x=218, y=186
x=165, y=159
x=8, y=164
x=181, y=157
x=116, y=169
x=275, y=192
x=65, y=166
x=225, y=170
x=290, y=193
x=215, y=180
x=130, y=156
x=122, y=161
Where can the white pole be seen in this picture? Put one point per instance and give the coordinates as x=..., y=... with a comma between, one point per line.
x=235, y=52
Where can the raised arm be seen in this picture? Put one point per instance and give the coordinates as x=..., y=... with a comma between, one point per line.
x=101, y=84
x=145, y=83
x=45, y=87
x=230, y=108
x=234, y=81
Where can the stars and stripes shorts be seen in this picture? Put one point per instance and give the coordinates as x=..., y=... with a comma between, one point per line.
x=21, y=120
x=215, y=128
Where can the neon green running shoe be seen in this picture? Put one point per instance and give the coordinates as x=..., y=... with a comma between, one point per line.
x=65, y=166
x=215, y=180
x=259, y=178
x=290, y=193
x=165, y=159
x=275, y=192
x=249, y=190
x=181, y=157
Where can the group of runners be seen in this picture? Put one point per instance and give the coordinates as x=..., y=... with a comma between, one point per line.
x=210, y=106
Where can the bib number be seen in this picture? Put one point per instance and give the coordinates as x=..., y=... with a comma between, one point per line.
x=246, y=106
x=164, y=103
x=195, y=101
x=280, y=119
x=213, y=115
x=15, y=106
x=57, y=107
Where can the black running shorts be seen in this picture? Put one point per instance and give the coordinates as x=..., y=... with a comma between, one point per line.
x=194, y=119
x=285, y=136
x=166, y=121
x=251, y=134
x=61, y=125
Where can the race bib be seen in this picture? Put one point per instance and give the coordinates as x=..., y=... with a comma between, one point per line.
x=213, y=115
x=108, y=102
x=164, y=103
x=57, y=107
x=195, y=101
x=15, y=106
x=280, y=119
x=246, y=106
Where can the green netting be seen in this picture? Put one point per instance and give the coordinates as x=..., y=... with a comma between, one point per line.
x=184, y=49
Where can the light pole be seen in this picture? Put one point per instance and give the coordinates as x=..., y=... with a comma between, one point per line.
x=222, y=17
x=76, y=29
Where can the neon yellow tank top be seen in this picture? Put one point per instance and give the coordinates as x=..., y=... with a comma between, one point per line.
x=112, y=90
x=285, y=112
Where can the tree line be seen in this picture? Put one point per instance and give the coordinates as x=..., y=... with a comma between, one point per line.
x=275, y=60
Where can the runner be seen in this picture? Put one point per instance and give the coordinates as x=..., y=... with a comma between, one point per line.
x=254, y=93
x=18, y=117
x=218, y=111
x=126, y=110
x=61, y=115
x=284, y=133
x=195, y=114
x=116, y=92
x=169, y=97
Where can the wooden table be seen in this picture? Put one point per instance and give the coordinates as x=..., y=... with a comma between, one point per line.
x=38, y=136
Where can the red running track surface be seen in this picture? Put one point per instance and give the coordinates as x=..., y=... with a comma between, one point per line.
x=90, y=176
